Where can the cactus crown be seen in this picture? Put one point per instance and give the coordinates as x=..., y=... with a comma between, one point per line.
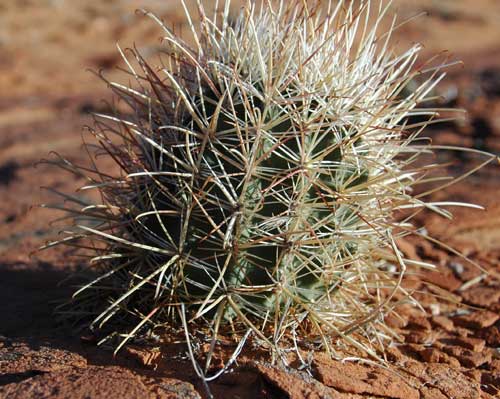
x=260, y=173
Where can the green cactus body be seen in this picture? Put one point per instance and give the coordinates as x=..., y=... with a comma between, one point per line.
x=294, y=197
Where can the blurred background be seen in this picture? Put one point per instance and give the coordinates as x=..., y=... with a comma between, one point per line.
x=47, y=49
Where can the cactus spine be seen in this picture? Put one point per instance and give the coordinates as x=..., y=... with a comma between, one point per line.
x=261, y=171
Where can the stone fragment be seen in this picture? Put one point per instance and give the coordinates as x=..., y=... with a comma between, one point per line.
x=395, y=320
x=171, y=388
x=443, y=279
x=25, y=355
x=395, y=354
x=145, y=357
x=482, y=296
x=364, y=380
x=495, y=307
x=463, y=332
x=419, y=323
x=469, y=272
x=491, y=383
x=491, y=378
x=495, y=365
x=412, y=283
x=433, y=355
x=411, y=350
x=442, y=322
x=421, y=337
x=477, y=320
x=474, y=344
x=89, y=382
x=292, y=386
x=450, y=382
x=474, y=374
x=431, y=393
x=491, y=335
x=409, y=249
x=468, y=358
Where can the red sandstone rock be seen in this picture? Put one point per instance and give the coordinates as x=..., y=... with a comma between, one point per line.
x=293, y=387
x=411, y=350
x=477, y=319
x=431, y=393
x=443, y=322
x=491, y=381
x=495, y=365
x=364, y=380
x=469, y=272
x=91, y=382
x=450, y=382
x=474, y=374
x=433, y=355
x=408, y=249
x=144, y=356
x=170, y=388
x=491, y=335
x=419, y=323
x=474, y=344
x=468, y=358
x=34, y=356
x=482, y=296
x=395, y=320
x=491, y=378
x=463, y=332
x=443, y=279
x=421, y=337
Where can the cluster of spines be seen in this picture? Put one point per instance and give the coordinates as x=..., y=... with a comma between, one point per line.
x=261, y=171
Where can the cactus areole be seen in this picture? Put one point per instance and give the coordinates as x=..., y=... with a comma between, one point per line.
x=261, y=172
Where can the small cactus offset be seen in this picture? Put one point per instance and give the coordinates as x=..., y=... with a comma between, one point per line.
x=262, y=170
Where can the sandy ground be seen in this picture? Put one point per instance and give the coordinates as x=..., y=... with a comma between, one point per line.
x=46, y=47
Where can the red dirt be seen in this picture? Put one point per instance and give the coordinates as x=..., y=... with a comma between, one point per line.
x=449, y=352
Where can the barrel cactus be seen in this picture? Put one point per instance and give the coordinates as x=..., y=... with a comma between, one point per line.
x=261, y=172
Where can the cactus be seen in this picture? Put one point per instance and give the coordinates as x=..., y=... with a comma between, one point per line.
x=261, y=173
